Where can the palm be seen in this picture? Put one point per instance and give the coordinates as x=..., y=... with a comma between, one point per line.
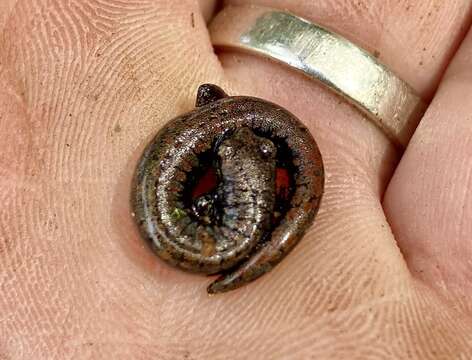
x=84, y=86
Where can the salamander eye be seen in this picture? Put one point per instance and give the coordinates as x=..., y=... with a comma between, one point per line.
x=267, y=148
x=225, y=151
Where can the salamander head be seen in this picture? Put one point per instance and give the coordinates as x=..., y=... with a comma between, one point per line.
x=244, y=145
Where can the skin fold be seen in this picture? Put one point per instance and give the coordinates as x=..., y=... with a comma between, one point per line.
x=385, y=273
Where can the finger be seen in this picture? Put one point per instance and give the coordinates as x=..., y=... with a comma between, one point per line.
x=414, y=39
x=208, y=8
x=429, y=201
x=350, y=258
x=358, y=158
x=84, y=84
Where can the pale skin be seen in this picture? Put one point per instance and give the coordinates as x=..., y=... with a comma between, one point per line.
x=385, y=272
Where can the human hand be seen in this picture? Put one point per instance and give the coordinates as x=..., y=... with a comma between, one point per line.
x=86, y=84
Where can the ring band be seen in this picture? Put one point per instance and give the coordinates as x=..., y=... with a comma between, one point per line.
x=327, y=57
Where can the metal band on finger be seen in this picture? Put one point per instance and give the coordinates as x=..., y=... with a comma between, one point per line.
x=329, y=58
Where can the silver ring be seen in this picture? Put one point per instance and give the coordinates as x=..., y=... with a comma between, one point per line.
x=329, y=58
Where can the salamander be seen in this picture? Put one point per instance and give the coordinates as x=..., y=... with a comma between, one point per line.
x=235, y=230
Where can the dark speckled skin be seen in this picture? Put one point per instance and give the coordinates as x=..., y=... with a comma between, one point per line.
x=246, y=191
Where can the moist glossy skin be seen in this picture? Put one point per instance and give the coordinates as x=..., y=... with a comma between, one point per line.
x=239, y=241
